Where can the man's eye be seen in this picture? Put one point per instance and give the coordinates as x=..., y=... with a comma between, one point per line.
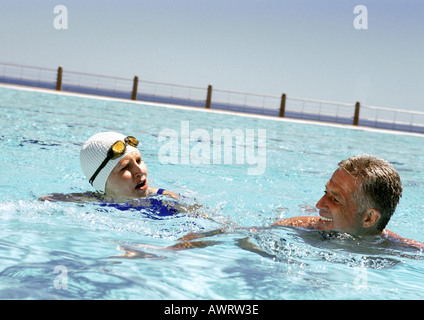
x=332, y=198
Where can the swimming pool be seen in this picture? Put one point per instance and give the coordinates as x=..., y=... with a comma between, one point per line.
x=70, y=250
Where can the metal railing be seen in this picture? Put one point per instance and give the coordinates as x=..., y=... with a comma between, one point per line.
x=245, y=102
x=320, y=110
x=150, y=91
x=79, y=82
x=392, y=119
x=29, y=76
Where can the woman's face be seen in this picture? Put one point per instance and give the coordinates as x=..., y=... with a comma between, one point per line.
x=129, y=178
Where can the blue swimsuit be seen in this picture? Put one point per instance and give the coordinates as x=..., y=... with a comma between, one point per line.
x=154, y=208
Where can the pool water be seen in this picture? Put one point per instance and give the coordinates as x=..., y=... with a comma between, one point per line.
x=64, y=250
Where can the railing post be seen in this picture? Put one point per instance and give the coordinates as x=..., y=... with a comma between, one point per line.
x=134, y=90
x=59, y=78
x=209, y=98
x=283, y=105
x=356, y=116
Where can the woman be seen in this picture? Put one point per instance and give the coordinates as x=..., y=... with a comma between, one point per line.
x=113, y=165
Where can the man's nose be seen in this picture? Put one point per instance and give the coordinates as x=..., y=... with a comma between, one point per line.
x=321, y=204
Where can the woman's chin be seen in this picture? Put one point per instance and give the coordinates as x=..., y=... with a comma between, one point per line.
x=141, y=192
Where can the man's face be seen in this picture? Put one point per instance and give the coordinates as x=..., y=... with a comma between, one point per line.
x=337, y=207
x=129, y=177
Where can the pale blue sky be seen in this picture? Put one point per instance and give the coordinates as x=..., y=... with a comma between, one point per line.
x=304, y=48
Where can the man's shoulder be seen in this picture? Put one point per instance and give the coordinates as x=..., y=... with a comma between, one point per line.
x=403, y=241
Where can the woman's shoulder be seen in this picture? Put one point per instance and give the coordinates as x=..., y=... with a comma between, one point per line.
x=164, y=192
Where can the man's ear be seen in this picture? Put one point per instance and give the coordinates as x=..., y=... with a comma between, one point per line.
x=371, y=217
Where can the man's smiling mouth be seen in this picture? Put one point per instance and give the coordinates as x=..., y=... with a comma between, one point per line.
x=326, y=219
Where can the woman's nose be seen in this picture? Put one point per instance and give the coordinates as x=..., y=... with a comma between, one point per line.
x=139, y=170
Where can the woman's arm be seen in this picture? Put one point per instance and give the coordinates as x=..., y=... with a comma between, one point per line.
x=69, y=197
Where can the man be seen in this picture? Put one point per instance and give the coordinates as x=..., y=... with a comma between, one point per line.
x=359, y=199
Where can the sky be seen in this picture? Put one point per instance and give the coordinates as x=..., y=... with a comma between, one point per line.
x=304, y=48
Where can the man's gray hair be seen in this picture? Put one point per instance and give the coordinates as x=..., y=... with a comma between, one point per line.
x=379, y=186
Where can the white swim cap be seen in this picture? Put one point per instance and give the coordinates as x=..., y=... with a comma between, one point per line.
x=94, y=152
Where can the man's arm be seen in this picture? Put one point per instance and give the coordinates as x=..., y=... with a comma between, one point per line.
x=310, y=222
x=305, y=222
x=403, y=241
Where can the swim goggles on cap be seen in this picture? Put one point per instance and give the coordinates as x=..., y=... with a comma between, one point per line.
x=114, y=152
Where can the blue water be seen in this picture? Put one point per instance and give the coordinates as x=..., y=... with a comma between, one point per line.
x=41, y=137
